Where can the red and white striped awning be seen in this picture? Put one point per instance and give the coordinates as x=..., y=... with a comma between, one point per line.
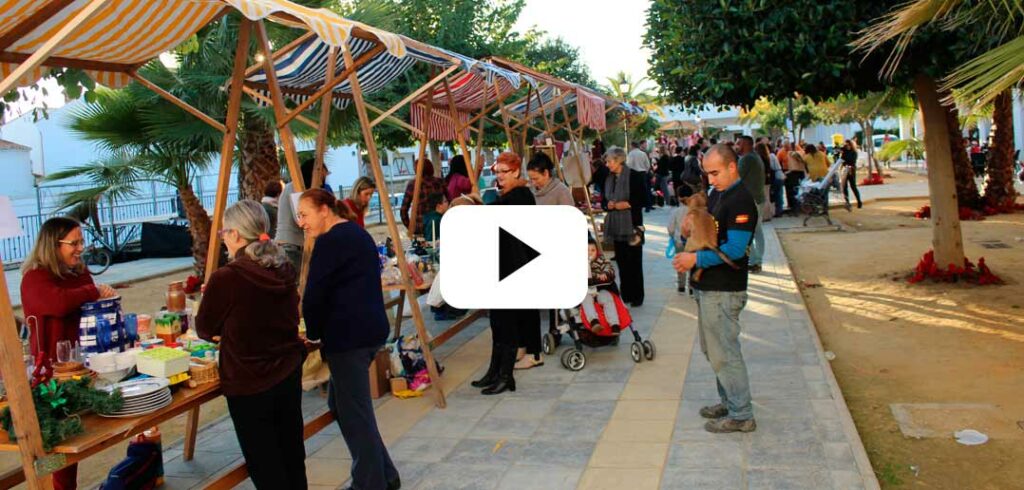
x=470, y=91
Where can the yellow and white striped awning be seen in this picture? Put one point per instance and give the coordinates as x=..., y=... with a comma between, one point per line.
x=124, y=34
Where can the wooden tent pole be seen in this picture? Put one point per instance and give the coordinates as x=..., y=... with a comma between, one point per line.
x=19, y=396
x=291, y=154
x=319, y=168
x=504, y=116
x=396, y=121
x=407, y=284
x=266, y=100
x=414, y=211
x=474, y=171
x=460, y=135
x=409, y=98
x=40, y=55
x=578, y=145
x=227, y=148
x=178, y=102
x=281, y=52
x=551, y=134
x=526, y=115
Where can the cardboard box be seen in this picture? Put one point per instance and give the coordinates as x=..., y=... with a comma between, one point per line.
x=399, y=384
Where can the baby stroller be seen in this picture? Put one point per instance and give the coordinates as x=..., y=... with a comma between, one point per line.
x=581, y=334
x=813, y=196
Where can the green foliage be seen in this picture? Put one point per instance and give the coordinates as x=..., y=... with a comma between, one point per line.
x=731, y=52
x=559, y=58
x=893, y=149
x=58, y=406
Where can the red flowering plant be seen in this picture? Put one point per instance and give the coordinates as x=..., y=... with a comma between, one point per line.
x=979, y=275
x=873, y=179
x=192, y=284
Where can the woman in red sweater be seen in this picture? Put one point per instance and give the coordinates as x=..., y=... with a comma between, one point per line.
x=359, y=199
x=54, y=285
x=252, y=305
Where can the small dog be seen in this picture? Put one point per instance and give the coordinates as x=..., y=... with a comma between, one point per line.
x=703, y=230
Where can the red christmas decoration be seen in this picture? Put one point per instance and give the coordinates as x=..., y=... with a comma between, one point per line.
x=873, y=179
x=192, y=284
x=928, y=269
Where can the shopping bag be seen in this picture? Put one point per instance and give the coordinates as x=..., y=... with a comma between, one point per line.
x=670, y=251
x=434, y=295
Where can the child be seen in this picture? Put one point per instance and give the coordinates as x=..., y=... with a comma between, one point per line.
x=675, y=228
x=437, y=203
x=602, y=285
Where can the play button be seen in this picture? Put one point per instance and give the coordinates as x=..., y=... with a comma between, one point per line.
x=513, y=254
x=514, y=257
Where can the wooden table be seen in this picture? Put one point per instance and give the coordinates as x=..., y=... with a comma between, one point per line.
x=104, y=432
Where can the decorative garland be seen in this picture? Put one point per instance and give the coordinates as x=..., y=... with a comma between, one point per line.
x=58, y=405
x=927, y=268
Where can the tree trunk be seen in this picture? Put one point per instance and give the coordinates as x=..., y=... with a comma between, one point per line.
x=999, y=188
x=259, y=162
x=947, y=239
x=869, y=147
x=966, y=187
x=199, y=227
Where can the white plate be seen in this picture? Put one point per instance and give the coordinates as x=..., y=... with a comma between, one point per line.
x=148, y=396
x=143, y=407
x=139, y=387
x=139, y=413
x=147, y=402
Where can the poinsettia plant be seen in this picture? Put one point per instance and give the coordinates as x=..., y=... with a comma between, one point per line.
x=927, y=268
x=59, y=406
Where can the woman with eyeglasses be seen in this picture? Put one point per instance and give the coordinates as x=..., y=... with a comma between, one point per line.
x=54, y=285
x=509, y=328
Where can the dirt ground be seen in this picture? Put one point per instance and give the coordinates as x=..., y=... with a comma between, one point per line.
x=897, y=343
x=142, y=297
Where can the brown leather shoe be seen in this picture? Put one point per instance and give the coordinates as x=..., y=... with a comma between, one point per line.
x=714, y=411
x=726, y=425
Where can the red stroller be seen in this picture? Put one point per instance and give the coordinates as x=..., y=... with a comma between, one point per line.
x=581, y=334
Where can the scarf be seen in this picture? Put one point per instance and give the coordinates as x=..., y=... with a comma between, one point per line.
x=618, y=224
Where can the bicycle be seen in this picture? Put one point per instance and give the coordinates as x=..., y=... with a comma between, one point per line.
x=97, y=259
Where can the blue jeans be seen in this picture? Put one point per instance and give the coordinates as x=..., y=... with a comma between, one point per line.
x=757, y=246
x=718, y=322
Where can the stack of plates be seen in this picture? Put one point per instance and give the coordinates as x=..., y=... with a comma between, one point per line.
x=141, y=396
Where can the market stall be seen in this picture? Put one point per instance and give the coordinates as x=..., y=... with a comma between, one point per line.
x=111, y=40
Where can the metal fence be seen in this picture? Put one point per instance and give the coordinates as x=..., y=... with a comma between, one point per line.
x=124, y=218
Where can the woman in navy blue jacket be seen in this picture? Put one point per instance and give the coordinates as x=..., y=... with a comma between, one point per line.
x=343, y=307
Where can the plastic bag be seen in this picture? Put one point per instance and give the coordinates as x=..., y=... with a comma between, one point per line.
x=434, y=297
x=670, y=251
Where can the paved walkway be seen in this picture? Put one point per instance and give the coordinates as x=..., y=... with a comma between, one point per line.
x=118, y=273
x=615, y=424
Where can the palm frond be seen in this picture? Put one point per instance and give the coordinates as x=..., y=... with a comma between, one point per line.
x=893, y=149
x=900, y=25
x=986, y=76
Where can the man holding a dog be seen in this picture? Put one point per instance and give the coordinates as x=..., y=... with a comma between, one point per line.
x=722, y=290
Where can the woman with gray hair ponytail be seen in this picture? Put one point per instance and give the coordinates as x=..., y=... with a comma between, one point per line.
x=251, y=223
x=252, y=306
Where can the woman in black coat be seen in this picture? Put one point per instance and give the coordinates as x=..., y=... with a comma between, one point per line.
x=509, y=328
x=624, y=199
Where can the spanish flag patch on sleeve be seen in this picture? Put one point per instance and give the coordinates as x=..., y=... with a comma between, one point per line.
x=742, y=219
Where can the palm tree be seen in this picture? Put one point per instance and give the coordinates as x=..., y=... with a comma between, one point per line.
x=999, y=188
x=623, y=87
x=131, y=124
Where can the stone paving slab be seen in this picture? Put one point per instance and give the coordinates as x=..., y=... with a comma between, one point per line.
x=616, y=424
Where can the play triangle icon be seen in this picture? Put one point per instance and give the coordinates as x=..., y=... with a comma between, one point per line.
x=513, y=254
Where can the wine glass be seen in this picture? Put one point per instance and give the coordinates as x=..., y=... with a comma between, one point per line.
x=64, y=352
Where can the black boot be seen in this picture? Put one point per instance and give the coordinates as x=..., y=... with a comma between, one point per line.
x=507, y=363
x=491, y=376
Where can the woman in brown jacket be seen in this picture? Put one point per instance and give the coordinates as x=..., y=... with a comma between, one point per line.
x=252, y=306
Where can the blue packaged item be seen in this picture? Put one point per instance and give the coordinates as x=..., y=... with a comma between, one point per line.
x=109, y=310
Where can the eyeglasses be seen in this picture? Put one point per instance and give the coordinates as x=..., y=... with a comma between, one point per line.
x=73, y=243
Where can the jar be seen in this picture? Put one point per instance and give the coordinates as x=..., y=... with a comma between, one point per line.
x=176, y=296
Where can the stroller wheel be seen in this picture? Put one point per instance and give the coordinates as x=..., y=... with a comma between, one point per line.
x=648, y=350
x=574, y=359
x=548, y=343
x=636, y=351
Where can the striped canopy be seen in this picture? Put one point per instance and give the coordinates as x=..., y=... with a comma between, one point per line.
x=124, y=34
x=470, y=92
x=303, y=70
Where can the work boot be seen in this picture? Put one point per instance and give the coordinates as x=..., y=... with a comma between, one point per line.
x=491, y=376
x=726, y=425
x=714, y=411
x=506, y=365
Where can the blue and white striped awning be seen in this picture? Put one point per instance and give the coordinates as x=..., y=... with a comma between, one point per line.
x=547, y=94
x=303, y=70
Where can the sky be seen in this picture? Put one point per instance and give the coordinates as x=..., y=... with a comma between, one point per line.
x=609, y=33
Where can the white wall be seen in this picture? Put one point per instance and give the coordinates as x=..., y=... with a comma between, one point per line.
x=60, y=149
x=16, y=172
